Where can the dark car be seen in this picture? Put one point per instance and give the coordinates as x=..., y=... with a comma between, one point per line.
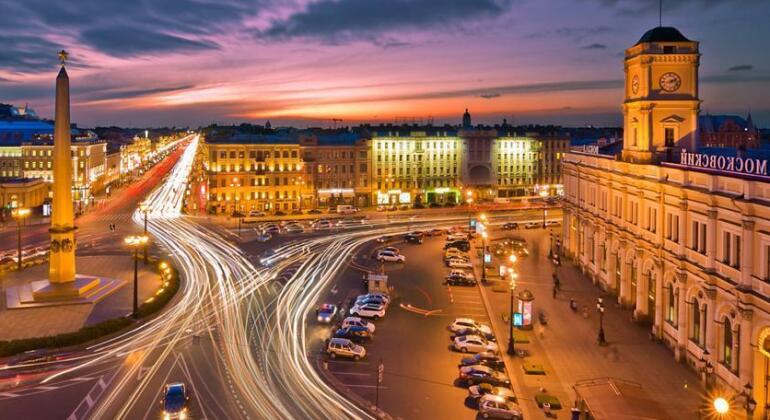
x=454, y=280
x=510, y=226
x=485, y=358
x=436, y=232
x=174, y=401
x=478, y=374
x=473, y=331
x=354, y=333
x=413, y=239
x=314, y=211
x=464, y=246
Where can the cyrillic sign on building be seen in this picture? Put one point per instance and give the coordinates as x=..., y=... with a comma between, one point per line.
x=741, y=165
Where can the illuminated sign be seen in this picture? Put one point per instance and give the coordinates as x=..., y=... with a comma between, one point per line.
x=740, y=165
x=518, y=319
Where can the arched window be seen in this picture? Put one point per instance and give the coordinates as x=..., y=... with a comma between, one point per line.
x=695, y=330
x=671, y=305
x=727, y=343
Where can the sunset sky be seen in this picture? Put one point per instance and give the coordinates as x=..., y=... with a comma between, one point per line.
x=300, y=62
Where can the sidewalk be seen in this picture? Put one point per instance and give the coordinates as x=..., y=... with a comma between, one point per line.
x=568, y=350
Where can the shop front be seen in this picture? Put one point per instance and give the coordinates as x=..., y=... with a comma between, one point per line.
x=393, y=197
x=335, y=196
x=443, y=196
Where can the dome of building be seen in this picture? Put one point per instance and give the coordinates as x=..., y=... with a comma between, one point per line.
x=663, y=34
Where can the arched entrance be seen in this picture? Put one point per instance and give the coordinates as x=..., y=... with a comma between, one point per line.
x=480, y=175
x=761, y=383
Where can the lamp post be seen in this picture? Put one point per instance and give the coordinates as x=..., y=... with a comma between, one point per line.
x=484, y=256
x=145, y=209
x=512, y=286
x=543, y=195
x=20, y=214
x=469, y=201
x=750, y=404
x=136, y=241
x=600, y=308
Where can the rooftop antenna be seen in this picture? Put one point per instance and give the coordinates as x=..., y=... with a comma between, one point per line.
x=660, y=13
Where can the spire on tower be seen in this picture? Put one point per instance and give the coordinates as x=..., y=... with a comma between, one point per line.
x=63, y=55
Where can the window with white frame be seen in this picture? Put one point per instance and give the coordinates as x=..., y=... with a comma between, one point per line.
x=731, y=249
x=698, y=242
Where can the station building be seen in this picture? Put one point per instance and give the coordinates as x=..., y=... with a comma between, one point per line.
x=680, y=236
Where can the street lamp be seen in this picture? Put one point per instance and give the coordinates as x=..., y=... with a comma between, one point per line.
x=20, y=214
x=469, y=201
x=144, y=208
x=750, y=405
x=721, y=406
x=483, y=256
x=512, y=286
x=136, y=241
x=543, y=195
x=600, y=308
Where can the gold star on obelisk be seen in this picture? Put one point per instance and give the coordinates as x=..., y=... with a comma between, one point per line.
x=63, y=56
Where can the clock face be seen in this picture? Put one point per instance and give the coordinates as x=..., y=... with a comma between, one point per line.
x=635, y=84
x=670, y=82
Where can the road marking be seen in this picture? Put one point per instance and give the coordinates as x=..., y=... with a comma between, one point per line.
x=9, y=394
x=364, y=386
x=350, y=373
x=89, y=401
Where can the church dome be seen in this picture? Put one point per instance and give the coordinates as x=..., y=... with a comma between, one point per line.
x=663, y=34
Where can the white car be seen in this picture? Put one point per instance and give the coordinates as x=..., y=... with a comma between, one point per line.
x=354, y=321
x=473, y=344
x=552, y=223
x=294, y=228
x=459, y=263
x=322, y=225
x=532, y=225
x=462, y=323
x=456, y=237
x=368, y=310
x=460, y=273
x=455, y=253
x=389, y=256
x=497, y=407
x=392, y=249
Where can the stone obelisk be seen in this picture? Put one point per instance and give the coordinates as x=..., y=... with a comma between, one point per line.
x=61, y=268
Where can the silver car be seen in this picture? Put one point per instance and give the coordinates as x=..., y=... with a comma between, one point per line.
x=497, y=407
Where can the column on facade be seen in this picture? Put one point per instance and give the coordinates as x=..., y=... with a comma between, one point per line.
x=625, y=271
x=747, y=254
x=744, y=353
x=711, y=240
x=709, y=334
x=684, y=232
x=658, y=321
x=641, y=294
x=734, y=360
x=681, y=319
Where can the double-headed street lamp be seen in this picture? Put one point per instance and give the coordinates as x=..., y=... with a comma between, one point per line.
x=512, y=286
x=20, y=214
x=600, y=307
x=136, y=241
x=144, y=208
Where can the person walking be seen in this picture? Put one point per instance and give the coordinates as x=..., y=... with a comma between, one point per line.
x=555, y=289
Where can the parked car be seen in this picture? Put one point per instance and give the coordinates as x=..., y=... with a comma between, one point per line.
x=390, y=256
x=464, y=246
x=174, y=401
x=272, y=230
x=435, y=232
x=354, y=334
x=494, y=407
x=473, y=331
x=403, y=207
x=477, y=374
x=392, y=249
x=459, y=263
x=460, y=323
x=354, y=321
x=368, y=310
x=476, y=392
x=264, y=237
x=314, y=211
x=364, y=299
x=510, y=225
x=532, y=225
x=343, y=347
x=253, y=216
x=294, y=228
x=455, y=253
x=473, y=344
x=381, y=208
x=322, y=225
x=459, y=280
x=552, y=223
x=452, y=237
x=484, y=358
x=326, y=313
x=413, y=239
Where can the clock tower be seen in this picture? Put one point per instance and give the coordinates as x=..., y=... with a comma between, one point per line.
x=660, y=111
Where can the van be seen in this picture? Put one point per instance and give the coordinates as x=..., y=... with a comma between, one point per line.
x=346, y=209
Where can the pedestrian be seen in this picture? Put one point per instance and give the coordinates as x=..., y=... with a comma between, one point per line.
x=554, y=291
x=557, y=283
